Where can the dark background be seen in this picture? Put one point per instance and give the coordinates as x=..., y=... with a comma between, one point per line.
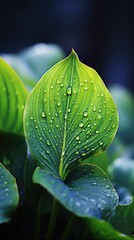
x=101, y=32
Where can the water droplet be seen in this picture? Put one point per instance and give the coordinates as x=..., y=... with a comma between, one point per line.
x=92, y=81
x=62, y=85
x=69, y=110
x=65, y=116
x=77, y=152
x=43, y=115
x=81, y=84
x=85, y=114
x=85, y=80
x=77, y=138
x=86, y=88
x=58, y=81
x=5, y=182
x=47, y=152
x=97, y=131
x=45, y=91
x=31, y=118
x=56, y=115
x=69, y=90
x=62, y=76
x=94, y=183
x=99, y=117
x=101, y=143
x=51, y=86
x=100, y=110
x=83, y=154
x=40, y=138
x=48, y=142
x=58, y=104
x=113, y=126
x=94, y=109
x=81, y=124
x=102, y=94
x=77, y=204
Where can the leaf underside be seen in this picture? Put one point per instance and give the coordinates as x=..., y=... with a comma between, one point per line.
x=69, y=116
x=13, y=96
x=87, y=191
x=8, y=194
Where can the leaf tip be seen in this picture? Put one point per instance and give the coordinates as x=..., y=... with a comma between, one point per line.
x=74, y=54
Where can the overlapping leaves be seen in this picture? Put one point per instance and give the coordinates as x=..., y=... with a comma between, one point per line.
x=70, y=116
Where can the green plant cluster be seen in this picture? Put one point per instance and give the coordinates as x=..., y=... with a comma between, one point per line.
x=65, y=170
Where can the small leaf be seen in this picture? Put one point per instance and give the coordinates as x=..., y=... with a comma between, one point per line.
x=122, y=218
x=8, y=194
x=69, y=116
x=86, y=191
x=13, y=96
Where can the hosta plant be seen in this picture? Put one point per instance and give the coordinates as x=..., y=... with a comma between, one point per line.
x=69, y=119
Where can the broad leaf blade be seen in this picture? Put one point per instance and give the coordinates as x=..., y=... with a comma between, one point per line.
x=8, y=194
x=69, y=116
x=13, y=96
x=86, y=192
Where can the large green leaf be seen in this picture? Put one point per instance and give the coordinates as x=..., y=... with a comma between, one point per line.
x=69, y=116
x=87, y=191
x=8, y=194
x=13, y=96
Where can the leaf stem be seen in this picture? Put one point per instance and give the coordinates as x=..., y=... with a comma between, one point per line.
x=68, y=228
x=52, y=221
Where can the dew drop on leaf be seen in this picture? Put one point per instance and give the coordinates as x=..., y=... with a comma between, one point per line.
x=101, y=143
x=69, y=90
x=48, y=142
x=85, y=114
x=81, y=124
x=94, y=109
x=43, y=115
x=58, y=104
x=77, y=138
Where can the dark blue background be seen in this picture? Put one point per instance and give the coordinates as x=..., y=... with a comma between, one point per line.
x=102, y=32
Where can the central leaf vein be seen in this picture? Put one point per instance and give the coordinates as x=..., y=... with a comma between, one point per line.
x=69, y=89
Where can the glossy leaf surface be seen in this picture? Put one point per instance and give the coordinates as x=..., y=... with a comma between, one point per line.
x=13, y=96
x=69, y=116
x=8, y=194
x=87, y=191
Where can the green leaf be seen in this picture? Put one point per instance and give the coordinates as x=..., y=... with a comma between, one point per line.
x=102, y=230
x=13, y=96
x=69, y=116
x=8, y=194
x=86, y=191
x=122, y=218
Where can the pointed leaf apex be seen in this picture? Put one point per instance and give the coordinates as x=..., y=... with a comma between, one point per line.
x=74, y=54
